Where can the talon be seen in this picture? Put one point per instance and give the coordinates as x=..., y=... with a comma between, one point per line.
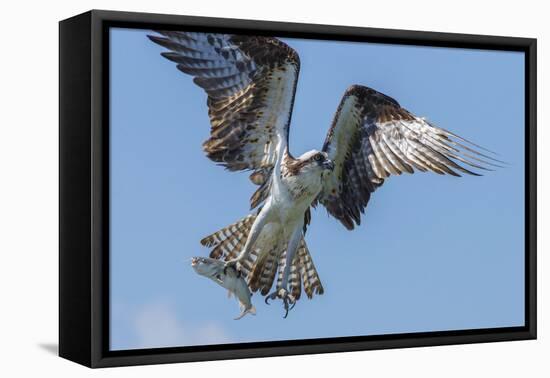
x=285, y=302
x=292, y=306
x=270, y=296
x=288, y=300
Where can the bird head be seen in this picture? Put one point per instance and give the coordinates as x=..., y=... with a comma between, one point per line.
x=316, y=161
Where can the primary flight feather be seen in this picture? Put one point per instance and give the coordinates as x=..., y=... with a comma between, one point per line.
x=251, y=82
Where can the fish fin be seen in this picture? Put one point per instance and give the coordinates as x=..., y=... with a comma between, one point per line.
x=229, y=294
x=251, y=311
x=241, y=315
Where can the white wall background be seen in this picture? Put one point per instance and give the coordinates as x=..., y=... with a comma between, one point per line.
x=29, y=177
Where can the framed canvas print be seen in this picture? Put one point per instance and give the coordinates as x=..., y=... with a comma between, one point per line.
x=347, y=188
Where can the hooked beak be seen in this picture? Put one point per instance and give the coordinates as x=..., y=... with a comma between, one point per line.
x=328, y=164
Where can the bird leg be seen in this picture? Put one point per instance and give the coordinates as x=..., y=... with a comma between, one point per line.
x=288, y=299
x=253, y=234
x=282, y=292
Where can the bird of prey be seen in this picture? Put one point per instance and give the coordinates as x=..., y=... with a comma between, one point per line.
x=250, y=83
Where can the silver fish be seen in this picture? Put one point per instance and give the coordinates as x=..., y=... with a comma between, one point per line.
x=228, y=278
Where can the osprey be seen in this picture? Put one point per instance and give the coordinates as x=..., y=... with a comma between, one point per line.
x=250, y=82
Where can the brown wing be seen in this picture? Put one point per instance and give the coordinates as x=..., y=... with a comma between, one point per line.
x=373, y=137
x=250, y=82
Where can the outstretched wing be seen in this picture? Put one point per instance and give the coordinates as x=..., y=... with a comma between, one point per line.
x=250, y=82
x=373, y=137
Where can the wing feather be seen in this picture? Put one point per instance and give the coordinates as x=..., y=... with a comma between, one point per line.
x=372, y=138
x=251, y=83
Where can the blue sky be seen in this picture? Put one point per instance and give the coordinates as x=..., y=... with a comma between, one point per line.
x=433, y=253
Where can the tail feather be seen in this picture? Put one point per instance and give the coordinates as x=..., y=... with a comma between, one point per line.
x=294, y=281
x=228, y=239
x=261, y=267
x=310, y=277
x=254, y=281
x=248, y=265
x=230, y=247
x=267, y=274
x=219, y=236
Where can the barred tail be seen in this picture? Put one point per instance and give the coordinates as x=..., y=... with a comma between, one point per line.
x=310, y=277
x=294, y=279
x=261, y=267
x=228, y=241
x=264, y=271
x=302, y=272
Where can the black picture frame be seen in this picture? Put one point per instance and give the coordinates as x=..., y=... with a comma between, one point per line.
x=84, y=189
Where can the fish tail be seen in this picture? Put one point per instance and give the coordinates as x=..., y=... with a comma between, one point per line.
x=251, y=311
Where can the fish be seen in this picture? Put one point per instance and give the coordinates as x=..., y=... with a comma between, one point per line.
x=227, y=278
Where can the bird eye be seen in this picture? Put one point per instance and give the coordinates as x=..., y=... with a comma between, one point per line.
x=318, y=157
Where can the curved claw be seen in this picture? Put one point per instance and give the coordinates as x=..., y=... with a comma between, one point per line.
x=270, y=296
x=292, y=306
x=288, y=301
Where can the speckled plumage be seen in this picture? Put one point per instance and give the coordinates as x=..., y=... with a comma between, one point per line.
x=250, y=83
